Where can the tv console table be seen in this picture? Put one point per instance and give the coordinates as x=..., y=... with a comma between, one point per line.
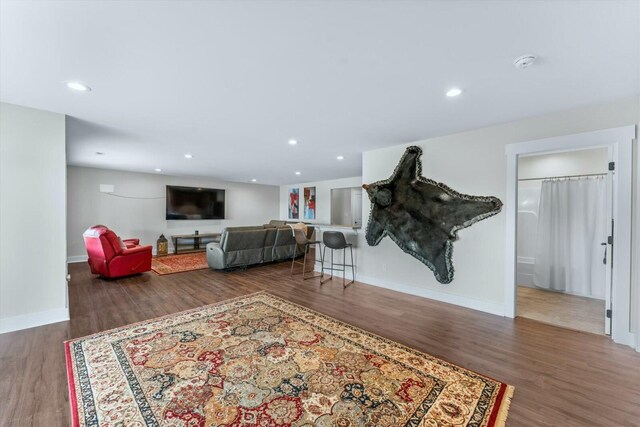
x=198, y=240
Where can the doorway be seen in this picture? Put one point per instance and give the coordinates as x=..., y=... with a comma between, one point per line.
x=618, y=143
x=563, y=271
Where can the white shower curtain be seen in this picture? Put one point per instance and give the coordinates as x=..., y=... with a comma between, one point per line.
x=572, y=224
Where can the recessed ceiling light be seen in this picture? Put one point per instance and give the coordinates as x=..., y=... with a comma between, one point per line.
x=188, y=156
x=293, y=142
x=253, y=180
x=99, y=153
x=158, y=170
x=78, y=86
x=454, y=91
x=297, y=173
x=340, y=157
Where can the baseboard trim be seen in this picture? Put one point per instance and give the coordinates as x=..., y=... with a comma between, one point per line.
x=31, y=320
x=472, y=303
x=77, y=258
x=628, y=339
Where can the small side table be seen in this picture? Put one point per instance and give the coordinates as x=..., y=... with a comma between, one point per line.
x=197, y=240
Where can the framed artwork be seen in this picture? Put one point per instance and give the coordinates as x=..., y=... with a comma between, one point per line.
x=294, y=203
x=309, y=202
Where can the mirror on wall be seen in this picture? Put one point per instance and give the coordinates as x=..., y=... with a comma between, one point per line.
x=346, y=206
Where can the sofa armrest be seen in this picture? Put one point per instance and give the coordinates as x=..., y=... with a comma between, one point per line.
x=131, y=242
x=136, y=250
x=215, y=256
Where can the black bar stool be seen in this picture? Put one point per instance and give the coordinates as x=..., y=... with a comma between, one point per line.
x=302, y=240
x=335, y=240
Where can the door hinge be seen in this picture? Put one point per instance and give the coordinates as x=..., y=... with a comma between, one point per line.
x=608, y=313
x=612, y=166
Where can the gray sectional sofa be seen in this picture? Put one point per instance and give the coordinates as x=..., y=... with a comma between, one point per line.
x=244, y=246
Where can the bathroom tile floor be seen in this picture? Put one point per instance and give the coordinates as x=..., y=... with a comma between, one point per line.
x=556, y=308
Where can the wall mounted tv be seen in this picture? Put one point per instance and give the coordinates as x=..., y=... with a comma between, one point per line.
x=194, y=203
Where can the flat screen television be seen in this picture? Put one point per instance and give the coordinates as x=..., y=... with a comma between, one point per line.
x=194, y=203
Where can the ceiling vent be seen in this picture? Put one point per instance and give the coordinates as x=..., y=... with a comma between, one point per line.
x=524, y=61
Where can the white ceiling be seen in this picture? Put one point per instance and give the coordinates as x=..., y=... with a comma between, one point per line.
x=232, y=81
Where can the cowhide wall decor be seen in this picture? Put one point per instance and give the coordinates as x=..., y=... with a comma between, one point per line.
x=421, y=215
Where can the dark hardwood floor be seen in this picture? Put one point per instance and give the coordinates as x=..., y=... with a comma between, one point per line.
x=561, y=377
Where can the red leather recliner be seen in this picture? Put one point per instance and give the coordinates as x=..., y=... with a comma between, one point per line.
x=108, y=258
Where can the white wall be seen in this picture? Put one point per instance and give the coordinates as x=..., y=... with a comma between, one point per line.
x=472, y=162
x=141, y=213
x=33, y=288
x=323, y=197
x=560, y=164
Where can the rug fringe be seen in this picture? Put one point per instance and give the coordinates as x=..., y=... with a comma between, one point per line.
x=501, y=419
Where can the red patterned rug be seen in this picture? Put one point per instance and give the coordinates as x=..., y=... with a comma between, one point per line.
x=260, y=360
x=179, y=263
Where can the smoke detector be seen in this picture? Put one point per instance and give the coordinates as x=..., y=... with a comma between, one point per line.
x=524, y=61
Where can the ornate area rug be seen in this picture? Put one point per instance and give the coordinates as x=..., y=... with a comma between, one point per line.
x=263, y=361
x=179, y=263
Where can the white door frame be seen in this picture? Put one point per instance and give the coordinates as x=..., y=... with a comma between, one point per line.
x=620, y=141
x=637, y=240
